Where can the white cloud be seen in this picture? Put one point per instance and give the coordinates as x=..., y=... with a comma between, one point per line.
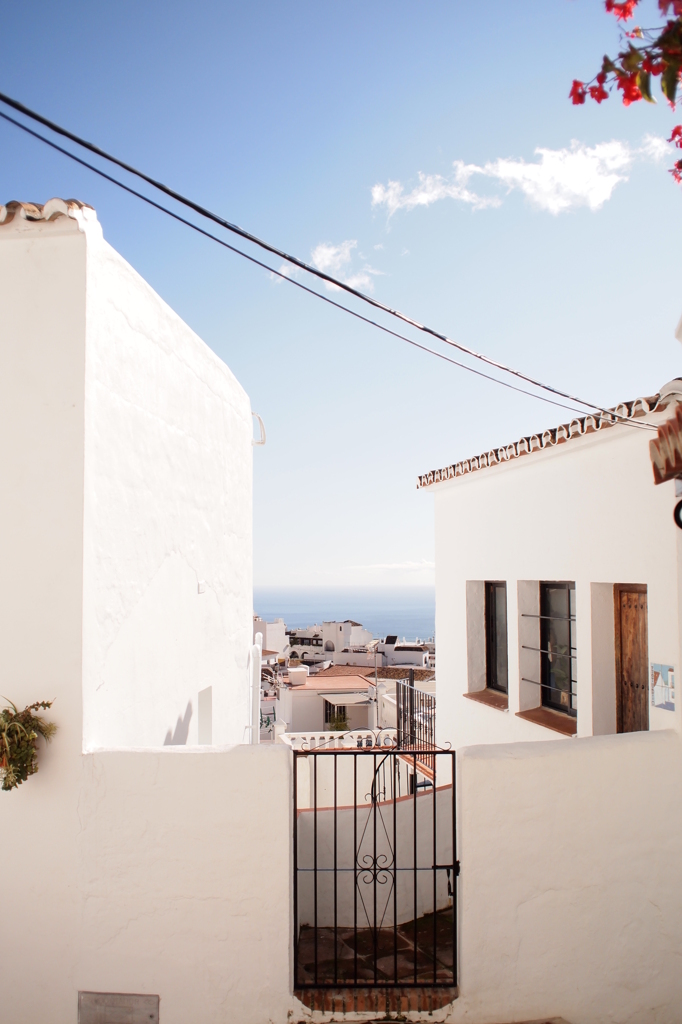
x=655, y=147
x=360, y=281
x=331, y=259
x=287, y=270
x=558, y=180
x=563, y=179
x=430, y=189
x=336, y=260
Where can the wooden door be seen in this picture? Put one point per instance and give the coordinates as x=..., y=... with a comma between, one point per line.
x=632, y=657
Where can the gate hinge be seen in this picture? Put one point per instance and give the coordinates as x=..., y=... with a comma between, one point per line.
x=456, y=868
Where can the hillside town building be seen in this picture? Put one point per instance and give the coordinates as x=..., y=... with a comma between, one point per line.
x=318, y=643
x=274, y=635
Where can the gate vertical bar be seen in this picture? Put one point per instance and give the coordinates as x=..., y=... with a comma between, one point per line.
x=295, y=869
x=355, y=866
x=414, y=862
x=394, y=758
x=315, y=851
x=336, y=895
x=435, y=874
x=373, y=797
x=454, y=871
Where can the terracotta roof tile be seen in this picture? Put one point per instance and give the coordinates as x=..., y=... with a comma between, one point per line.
x=35, y=211
x=333, y=684
x=546, y=439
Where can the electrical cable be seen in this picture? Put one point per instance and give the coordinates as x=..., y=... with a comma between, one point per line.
x=608, y=414
x=278, y=273
x=21, y=108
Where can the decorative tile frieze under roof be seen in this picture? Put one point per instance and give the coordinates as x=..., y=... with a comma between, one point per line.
x=578, y=427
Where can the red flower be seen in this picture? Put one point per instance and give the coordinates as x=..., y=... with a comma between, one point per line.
x=598, y=93
x=652, y=66
x=665, y=5
x=601, y=77
x=676, y=172
x=676, y=136
x=623, y=11
x=631, y=91
x=578, y=92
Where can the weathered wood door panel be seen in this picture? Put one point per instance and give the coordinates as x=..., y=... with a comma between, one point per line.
x=632, y=657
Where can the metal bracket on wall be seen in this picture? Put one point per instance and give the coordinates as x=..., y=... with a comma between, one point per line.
x=261, y=440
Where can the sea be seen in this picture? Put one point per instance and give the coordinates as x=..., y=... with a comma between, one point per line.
x=407, y=612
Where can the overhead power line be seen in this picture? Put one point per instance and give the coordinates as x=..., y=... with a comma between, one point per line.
x=302, y=265
x=278, y=273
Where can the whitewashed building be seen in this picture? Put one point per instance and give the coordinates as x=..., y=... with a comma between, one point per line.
x=126, y=552
x=558, y=619
x=566, y=590
x=319, y=643
x=274, y=634
x=321, y=703
x=387, y=653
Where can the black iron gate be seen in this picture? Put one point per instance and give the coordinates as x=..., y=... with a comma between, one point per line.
x=375, y=895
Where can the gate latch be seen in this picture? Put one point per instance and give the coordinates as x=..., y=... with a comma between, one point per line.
x=448, y=868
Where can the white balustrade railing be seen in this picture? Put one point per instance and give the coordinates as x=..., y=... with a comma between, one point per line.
x=318, y=740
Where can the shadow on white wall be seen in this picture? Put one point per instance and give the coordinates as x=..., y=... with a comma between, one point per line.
x=178, y=738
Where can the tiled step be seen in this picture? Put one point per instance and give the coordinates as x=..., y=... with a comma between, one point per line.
x=381, y=1001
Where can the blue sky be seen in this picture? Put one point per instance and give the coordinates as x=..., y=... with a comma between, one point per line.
x=284, y=117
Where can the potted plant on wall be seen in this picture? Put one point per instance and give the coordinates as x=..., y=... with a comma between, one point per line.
x=19, y=732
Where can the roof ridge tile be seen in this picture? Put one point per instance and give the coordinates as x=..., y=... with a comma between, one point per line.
x=549, y=438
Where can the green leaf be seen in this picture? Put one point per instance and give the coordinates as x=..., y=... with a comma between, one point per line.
x=669, y=82
x=644, y=83
x=631, y=60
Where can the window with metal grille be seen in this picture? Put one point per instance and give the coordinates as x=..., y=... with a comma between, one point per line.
x=558, y=647
x=496, y=668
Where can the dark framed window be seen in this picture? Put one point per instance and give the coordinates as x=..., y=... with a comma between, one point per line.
x=496, y=668
x=558, y=647
x=333, y=714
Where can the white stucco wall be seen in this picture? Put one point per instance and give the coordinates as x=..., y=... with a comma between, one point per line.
x=127, y=456
x=150, y=872
x=570, y=895
x=587, y=511
x=126, y=464
x=167, y=505
x=42, y=347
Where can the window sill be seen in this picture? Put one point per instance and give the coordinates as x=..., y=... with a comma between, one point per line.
x=549, y=719
x=493, y=698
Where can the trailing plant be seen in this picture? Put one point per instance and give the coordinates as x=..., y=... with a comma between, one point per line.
x=645, y=54
x=19, y=732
